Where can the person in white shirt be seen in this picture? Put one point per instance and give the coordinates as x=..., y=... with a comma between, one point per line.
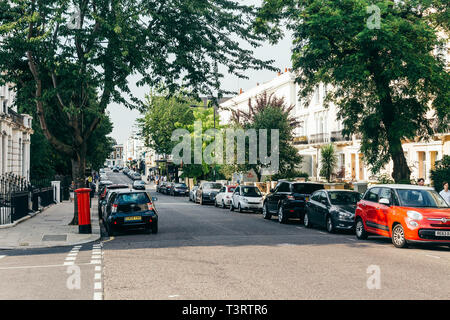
x=445, y=193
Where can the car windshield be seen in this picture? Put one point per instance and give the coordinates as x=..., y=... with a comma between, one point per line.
x=133, y=198
x=421, y=199
x=342, y=198
x=306, y=188
x=209, y=186
x=251, y=192
x=139, y=182
x=180, y=185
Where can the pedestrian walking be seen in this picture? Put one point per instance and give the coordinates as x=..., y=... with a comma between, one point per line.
x=445, y=193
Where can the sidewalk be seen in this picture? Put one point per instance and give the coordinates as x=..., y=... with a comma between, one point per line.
x=50, y=228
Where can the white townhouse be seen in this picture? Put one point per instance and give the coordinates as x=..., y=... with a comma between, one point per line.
x=319, y=126
x=15, y=130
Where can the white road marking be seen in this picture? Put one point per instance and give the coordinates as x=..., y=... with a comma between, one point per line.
x=42, y=266
x=73, y=254
x=95, y=262
x=1, y=257
x=431, y=256
x=97, y=285
x=98, y=276
x=69, y=263
x=351, y=239
x=98, y=268
x=71, y=258
x=322, y=232
x=95, y=257
x=174, y=296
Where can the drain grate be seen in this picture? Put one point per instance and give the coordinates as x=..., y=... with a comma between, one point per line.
x=54, y=237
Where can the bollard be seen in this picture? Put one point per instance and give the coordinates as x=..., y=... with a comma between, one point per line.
x=84, y=211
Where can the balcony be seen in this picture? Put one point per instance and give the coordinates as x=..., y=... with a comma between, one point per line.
x=301, y=140
x=337, y=136
x=319, y=138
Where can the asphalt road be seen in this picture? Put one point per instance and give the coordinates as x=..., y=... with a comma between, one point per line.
x=203, y=252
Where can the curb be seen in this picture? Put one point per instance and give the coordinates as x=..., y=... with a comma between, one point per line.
x=98, y=237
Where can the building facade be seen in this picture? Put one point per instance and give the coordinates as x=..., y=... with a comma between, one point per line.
x=116, y=157
x=319, y=125
x=15, y=130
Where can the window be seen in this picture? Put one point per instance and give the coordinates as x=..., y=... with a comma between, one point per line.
x=344, y=197
x=316, y=196
x=306, y=188
x=251, y=192
x=372, y=195
x=284, y=187
x=323, y=198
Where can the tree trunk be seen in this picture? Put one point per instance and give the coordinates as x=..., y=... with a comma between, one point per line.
x=401, y=172
x=78, y=175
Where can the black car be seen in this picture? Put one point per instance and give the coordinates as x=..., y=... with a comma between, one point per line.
x=179, y=189
x=102, y=195
x=333, y=209
x=130, y=210
x=139, y=185
x=288, y=200
x=102, y=185
x=207, y=192
x=168, y=188
x=161, y=187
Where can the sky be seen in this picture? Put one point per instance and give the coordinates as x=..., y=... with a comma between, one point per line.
x=124, y=119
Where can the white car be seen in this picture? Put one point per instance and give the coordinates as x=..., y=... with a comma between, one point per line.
x=223, y=198
x=193, y=194
x=247, y=198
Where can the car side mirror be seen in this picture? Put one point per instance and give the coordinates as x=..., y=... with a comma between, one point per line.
x=384, y=201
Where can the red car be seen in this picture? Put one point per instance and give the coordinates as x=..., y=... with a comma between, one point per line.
x=404, y=213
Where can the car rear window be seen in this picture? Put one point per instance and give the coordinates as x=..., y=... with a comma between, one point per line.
x=209, y=186
x=133, y=198
x=180, y=185
x=306, y=188
x=251, y=192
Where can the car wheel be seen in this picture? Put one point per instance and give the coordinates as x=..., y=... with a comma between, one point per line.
x=398, y=237
x=281, y=216
x=155, y=227
x=266, y=213
x=330, y=225
x=306, y=222
x=360, y=231
x=239, y=208
x=223, y=204
x=201, y=200
x=215, y=203
x=231, y=206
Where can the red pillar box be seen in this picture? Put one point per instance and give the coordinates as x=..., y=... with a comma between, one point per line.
x=84, y=210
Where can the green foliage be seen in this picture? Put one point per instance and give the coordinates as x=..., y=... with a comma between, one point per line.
x=383, y=79
x=385, y=179
x=290, y=175
x=269, y=113
x=441, y=173
x=328, y=161
x=71, y=75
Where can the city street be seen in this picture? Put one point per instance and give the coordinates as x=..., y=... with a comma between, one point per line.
x=203, y=252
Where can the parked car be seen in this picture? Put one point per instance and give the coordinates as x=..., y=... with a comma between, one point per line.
x=333, y=209
x=223, y=198
x=179, y=189
x=207, y=192
x=193, y=194
x=125, y=170
x=288, y=200
x=139, y=185
x=404, y=213
x=103, y=177
x=168, y=188
x=102, y=184
x=136, y=176
x=129, y=210
x=102, y=195
x=116, y=169
x=160, y=187
x=247, y=198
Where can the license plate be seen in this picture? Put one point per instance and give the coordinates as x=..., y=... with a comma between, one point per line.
x=442, y=233
x=133, y=218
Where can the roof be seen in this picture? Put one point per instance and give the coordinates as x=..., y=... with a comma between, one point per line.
x=402, y=186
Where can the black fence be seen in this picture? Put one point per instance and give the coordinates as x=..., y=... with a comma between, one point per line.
x=18, y=197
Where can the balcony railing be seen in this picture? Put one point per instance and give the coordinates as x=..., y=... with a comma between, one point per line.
x=319, y=138
x=17, y=118
x=337, y=136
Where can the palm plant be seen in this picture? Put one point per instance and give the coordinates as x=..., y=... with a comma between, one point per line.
x=328, y=162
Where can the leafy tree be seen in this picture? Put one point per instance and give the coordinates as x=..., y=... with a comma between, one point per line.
x=269, y=112
x=329, y=161
x=385, y=78
x=73, y=66
x=441, y=173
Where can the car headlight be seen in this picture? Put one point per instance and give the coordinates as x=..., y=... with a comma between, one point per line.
x=245, y=200
x=344, y=214
x=414, y=215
